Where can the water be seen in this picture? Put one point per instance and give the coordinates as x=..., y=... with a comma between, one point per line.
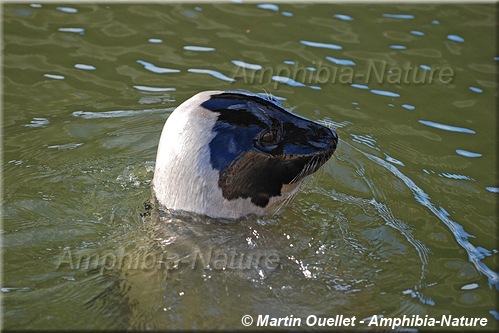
x=402, y=220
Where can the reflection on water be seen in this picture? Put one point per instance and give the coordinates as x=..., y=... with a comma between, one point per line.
x=402, y=220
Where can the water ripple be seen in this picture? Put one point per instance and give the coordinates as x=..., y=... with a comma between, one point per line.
x=343, y=17
x=85, y=67
x=54, y=76
x=213, y=73
x=466, y=153
x=246, y=65
x=492, y=189
x=153, y=89
x=343, y=62
x=15, y=289
x=115, y=114
x=269, y=6
x=470, y=286
x=408, y=106
x=38, y=122
x=385, y=93
x=447, y=127
x=461, y=236
x=67, y=146
x=399, y=16
x=359, y=86
x=455, y=176
x=155, y=40
x=69, y=10
x=287, y=80
x=398, y=47
x=80, y=31
x=155, y=69
x=367, y=140
x=417, y=33
x=321, y=45
x=455, y=38
x=405, y=230
x=393, y=160
x=198, y=48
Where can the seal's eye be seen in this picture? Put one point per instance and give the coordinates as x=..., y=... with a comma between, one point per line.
x=268, y=141
x=269, y=137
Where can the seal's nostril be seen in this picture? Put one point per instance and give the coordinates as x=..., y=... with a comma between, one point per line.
x=332, y=135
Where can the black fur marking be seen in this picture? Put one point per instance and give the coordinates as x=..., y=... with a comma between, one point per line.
x=259, y=177
x=251, y=168
x=244, y=97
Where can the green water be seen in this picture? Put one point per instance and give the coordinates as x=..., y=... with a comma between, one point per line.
x=401, y=221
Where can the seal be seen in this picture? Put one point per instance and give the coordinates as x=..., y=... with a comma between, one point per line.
x=230, y=154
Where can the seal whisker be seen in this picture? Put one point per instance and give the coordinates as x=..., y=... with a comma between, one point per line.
x=305, y=171
x=290, y=198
